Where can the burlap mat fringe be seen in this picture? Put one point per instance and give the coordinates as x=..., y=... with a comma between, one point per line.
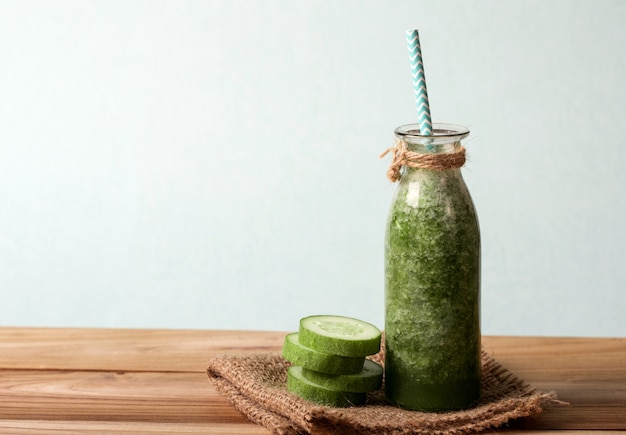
x=256, y=385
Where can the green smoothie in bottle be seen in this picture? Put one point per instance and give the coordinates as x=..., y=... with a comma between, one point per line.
x=432, y=278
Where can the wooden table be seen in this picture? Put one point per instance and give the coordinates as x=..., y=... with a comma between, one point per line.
x=82, y=381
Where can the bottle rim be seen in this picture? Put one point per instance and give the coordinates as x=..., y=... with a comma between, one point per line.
x=442, y=133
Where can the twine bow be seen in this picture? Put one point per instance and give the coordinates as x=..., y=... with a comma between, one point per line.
x=402, y=156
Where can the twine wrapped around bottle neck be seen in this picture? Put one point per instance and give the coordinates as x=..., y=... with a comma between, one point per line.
x=402, y=156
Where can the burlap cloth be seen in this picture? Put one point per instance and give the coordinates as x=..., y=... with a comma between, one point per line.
x=256, y=385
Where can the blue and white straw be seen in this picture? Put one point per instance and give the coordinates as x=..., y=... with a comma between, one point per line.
x=419, y=82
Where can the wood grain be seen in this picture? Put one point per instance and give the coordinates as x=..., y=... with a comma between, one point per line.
x=35, y=427
x=589, y=373
x=113, y=396
x=39, y=427
x=55, y=380
x=125, y=349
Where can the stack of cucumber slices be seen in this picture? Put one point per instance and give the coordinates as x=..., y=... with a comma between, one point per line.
x=329, y=365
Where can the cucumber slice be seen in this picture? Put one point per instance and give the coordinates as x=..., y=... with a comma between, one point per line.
x=297, y=383
x=370, y=379
x=300, y=355
x=339, y=335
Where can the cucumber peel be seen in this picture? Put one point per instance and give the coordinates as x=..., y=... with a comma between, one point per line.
x=339, y=335
x=369, y=379
x=300, y=355
x=313, y=392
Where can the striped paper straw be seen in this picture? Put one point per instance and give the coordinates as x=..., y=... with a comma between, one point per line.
x=419, y=82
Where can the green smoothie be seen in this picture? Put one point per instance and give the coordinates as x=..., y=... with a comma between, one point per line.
x=432, y=291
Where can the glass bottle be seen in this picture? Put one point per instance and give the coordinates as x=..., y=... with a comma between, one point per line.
x=432, y=281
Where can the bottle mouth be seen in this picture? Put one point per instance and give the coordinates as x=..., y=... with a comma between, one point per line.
x=442, y=133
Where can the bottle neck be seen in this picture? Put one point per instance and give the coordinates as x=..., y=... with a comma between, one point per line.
x=440, y=151
x=439, y=148
x=439, y=158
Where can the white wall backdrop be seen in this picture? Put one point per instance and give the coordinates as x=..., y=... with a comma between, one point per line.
x=214, y=164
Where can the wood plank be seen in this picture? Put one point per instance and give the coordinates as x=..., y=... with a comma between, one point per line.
x=46, y=427
x=154, y=377
x=125, y=349
x=113, y=396
x=190, y=398
x=589, y=373
x=547, y=358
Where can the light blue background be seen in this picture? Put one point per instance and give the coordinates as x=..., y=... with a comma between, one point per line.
x=214, y=164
